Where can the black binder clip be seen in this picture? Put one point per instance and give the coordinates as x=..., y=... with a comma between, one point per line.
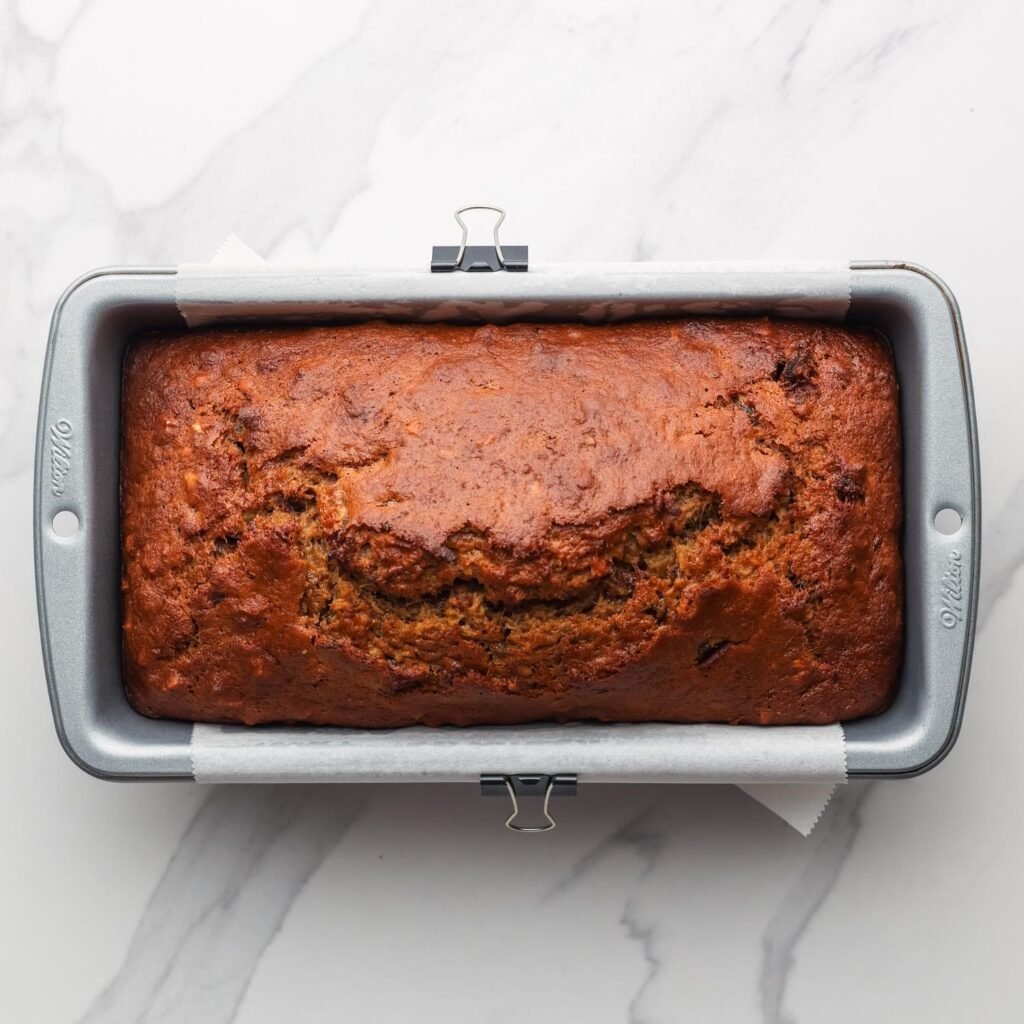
x=472, y=258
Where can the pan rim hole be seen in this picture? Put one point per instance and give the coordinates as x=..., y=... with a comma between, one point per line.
x=65, y=524
x=948, y=521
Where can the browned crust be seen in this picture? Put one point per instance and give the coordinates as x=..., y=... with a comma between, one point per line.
x=379, y=525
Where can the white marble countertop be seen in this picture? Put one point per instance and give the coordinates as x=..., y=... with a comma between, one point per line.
x=140, y=133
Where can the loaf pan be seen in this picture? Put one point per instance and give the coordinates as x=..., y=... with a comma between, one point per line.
x=76, y=471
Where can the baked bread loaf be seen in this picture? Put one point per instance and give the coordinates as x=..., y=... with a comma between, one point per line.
x=377, y=525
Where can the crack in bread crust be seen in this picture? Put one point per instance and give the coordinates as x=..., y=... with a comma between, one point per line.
x=521, y=617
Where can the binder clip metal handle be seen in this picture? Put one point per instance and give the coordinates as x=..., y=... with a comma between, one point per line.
x=529, y=786
x=474, y=258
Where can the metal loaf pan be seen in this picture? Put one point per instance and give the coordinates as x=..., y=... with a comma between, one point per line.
x=77, y=577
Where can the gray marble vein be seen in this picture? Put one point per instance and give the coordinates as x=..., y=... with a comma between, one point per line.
x=836, y=833
x=644, y=935
x=649, y=844
x=660, y=828
x=241, y=864
x=632, y=832
x=792, y=60
x=868, y=62
x=647, y=838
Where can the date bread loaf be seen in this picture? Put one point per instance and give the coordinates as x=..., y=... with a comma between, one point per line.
x=376, y=525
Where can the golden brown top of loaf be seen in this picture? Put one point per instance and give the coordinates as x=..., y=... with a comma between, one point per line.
x=573, y=476
x=437, y=429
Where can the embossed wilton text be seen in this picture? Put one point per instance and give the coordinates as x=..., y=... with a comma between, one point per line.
x=60, y=454
x=952, y=589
